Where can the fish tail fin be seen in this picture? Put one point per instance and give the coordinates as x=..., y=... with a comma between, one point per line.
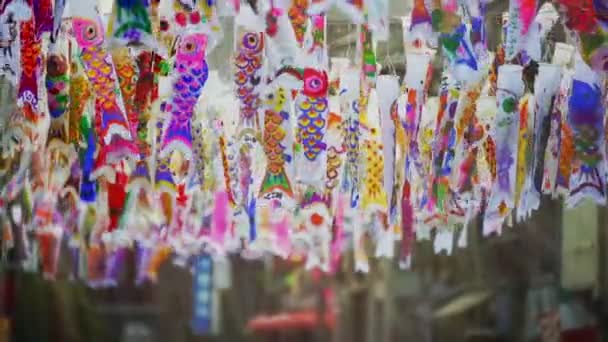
x=278, y=181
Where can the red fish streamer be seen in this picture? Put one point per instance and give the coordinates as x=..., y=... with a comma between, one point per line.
x=111, y=123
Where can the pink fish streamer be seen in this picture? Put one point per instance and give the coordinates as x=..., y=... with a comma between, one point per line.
x=191, y=73
x=502, y=199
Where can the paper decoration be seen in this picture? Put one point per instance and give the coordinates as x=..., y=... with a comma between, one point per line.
x=585, y=115
x=546, y=86
x=27, y=95
x=388, y=91
x=350, y=108
x=191, y=75
x=502, y=200
x=276, y=126
x=248, y=63
x=110, y=122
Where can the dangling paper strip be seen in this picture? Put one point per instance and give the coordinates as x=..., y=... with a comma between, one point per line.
x=443, y=149
x=388, y=91
x=546, y=86
x=416, y=75
x=552, y=173
x=502, y=200
x=585, y=116
x=350, y=106
x=191, y=75
x=524, y=144
x=110, y=121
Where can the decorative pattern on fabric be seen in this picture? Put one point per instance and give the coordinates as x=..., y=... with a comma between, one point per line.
x=110, y=121
x=275, y=118
x=191, y=75
x=248, y=63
